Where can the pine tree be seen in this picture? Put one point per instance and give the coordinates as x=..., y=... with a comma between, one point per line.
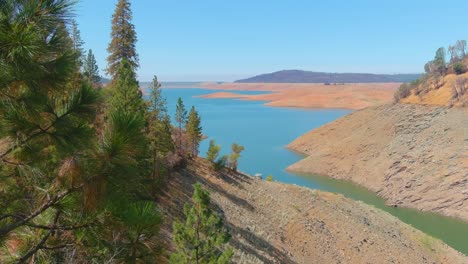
x=194, y=131
x=75, y=35
x=63, y=185
x=158, y=104
x=235, y=155
x=201, y=238
x=159, y=132
x=91, y=70
x=138, y=241
x=126, y=95
x=213, y=151
x=180, y=118
x=45, y=129
x=123, y=39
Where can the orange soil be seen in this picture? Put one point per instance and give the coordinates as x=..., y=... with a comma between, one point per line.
x=305, y=95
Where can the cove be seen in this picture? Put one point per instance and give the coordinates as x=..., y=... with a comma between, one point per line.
x=265, y=131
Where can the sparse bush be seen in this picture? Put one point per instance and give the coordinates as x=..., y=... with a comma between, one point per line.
x=459, y=68
x=403, y=91
x=220, y=163
x=269, y=178
x=459, y=89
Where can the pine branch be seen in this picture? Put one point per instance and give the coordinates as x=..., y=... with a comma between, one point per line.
x=58, y=247
x=41, y=243
x=37, y=212
x=63, y=228
x=35, y=134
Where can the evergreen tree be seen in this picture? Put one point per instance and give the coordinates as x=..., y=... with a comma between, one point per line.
x=66, y=192
x=180, y=118
x=158, y=104
x=126, y=95
x=235, y=155
x=75, y=35
x=159, y=132
x=91, y=70
x=45, y=130
x=138, y=241
x=213, y=151
x=123, y=39
x=194, y=131
x=201, y=238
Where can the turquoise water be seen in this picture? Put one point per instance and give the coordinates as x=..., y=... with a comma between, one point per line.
x=265, y=131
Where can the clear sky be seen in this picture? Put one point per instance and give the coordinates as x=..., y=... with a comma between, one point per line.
x=223, y=40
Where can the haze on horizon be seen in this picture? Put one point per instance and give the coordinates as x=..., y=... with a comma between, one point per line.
x=224, y=41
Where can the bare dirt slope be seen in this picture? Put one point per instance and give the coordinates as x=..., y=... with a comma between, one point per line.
x=412, y=155
x=277, y=223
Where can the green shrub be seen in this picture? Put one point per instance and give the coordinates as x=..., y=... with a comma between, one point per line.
x=269, y=178
x=459, y=68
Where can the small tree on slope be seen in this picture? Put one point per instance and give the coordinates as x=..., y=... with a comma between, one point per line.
x=180, y=118
x=202, y=237
x=235, y=155
x=213, y=151
x=194, y=131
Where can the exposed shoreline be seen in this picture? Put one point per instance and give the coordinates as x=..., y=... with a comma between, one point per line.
x=305, y=95
x=412, y=156
x=272, y=222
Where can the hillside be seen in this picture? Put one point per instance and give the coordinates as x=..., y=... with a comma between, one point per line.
x=272, y=222
x=412, y=155
x=450, y=90
x=298, y=76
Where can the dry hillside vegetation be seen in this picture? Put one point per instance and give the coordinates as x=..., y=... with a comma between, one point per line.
x=445, y=81
x=449, y=90
x=272, y=222
x=412, y=155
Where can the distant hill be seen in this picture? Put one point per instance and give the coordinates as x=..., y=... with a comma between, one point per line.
x=104, y=80
x=298, y=76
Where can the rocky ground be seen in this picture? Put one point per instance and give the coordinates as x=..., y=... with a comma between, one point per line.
x=412, y=155
x=272, y=222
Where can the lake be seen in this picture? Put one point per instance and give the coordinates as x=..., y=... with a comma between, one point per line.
x=265, y=131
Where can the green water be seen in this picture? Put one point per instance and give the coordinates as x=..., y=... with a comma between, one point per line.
x=453, y=232
x=265, y=131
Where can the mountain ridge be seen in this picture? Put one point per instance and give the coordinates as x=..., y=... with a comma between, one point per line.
x=301, y=76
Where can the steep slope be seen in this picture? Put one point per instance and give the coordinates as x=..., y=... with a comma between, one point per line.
x=412, y=155
x=277, y=223
x=298, y=76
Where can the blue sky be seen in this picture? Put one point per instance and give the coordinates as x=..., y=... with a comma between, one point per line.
x=217, y=40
